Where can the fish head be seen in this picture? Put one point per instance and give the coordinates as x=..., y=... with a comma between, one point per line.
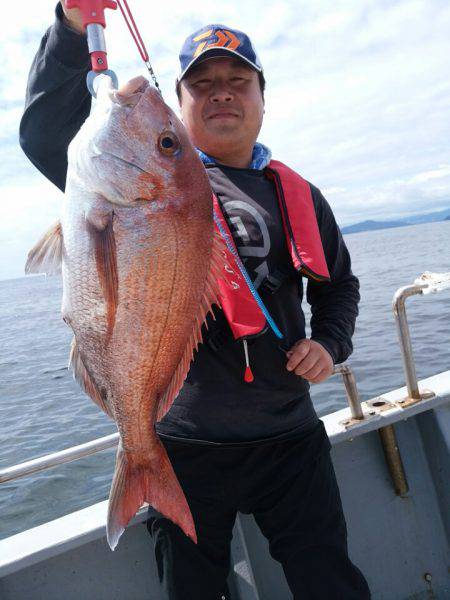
x=133, y=147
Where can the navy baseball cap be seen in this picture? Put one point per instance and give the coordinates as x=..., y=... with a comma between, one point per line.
x=217, y=40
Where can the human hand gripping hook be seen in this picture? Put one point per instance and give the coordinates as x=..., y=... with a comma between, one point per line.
x=93, y=15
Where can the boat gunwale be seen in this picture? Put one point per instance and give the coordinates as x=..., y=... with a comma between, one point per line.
x=75, y=529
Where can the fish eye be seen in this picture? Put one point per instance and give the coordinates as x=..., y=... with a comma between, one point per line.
x=168, y=143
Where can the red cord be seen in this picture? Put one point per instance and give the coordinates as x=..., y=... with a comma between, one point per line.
x=133, y=30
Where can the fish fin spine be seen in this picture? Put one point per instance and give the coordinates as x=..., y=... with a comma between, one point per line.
x=210, y=297
x=154, y=482
x=84, y=379
x=46, y=256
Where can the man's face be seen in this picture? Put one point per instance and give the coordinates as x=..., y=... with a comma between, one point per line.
x=222, y=105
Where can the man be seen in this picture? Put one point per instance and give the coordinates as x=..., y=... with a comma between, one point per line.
x=237, y=442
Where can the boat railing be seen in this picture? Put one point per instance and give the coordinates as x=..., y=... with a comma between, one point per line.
x=58, y=458
x=351, y=389
x=425, y=284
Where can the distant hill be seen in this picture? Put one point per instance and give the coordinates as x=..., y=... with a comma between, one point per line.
x=440, y=215
x=370, y=225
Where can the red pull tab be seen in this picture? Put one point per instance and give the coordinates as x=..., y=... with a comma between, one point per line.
x=248, y=377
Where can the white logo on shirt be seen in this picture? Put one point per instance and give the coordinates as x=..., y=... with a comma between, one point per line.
x=241, y=232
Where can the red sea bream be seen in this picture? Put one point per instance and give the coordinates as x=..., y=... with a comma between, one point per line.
x=140, y=264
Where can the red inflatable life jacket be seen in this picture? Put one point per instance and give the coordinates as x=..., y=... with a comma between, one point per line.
x=303, y=241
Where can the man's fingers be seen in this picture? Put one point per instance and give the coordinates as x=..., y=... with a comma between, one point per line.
x=313, y=372
x=321, y=376
x=297, y=354
x=306, y=365
x=309, y=360
x=73, y=17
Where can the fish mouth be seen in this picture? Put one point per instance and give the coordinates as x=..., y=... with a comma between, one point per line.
x=131, y=92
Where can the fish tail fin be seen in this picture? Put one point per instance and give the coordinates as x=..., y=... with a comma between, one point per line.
x=46, y=255
x=154, y=482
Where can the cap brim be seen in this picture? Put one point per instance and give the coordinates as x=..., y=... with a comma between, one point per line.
x=213, y=53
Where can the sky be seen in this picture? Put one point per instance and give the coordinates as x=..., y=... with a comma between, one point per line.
x=357, y=100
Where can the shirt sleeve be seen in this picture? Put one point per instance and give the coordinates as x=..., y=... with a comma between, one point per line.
x=57, y=100
x=334, y=304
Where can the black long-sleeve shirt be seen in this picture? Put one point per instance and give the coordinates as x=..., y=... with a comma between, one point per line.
x=215, y=404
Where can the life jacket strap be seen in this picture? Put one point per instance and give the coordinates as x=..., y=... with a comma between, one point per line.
x=275, y=279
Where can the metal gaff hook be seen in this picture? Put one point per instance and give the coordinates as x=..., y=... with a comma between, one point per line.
x=93, y=15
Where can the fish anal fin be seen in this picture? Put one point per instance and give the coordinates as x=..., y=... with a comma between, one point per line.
x=101, y=233
x=46, y=256
x=85, y=381
x=210, y=297
x=153, y=481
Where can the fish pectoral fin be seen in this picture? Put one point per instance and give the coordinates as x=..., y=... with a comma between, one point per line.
x=46, y=255
x=81, y=375
x=101, y=233
x=153, y=481
x=211, y=296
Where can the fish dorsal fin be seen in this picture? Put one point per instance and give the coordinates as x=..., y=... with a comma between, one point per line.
x=101, y=233
x=85, y=381
x=46, y=255
x=210, y=296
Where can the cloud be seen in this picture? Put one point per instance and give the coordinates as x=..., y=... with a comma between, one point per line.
x=358, y=98
x=443, y=171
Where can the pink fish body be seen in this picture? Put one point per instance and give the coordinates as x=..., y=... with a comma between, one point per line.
x=140, y=264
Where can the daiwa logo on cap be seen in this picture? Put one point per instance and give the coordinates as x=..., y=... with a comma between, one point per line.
x=217, y=40
x=225, y=39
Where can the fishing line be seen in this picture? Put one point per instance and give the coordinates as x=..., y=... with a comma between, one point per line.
x=133, y=29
